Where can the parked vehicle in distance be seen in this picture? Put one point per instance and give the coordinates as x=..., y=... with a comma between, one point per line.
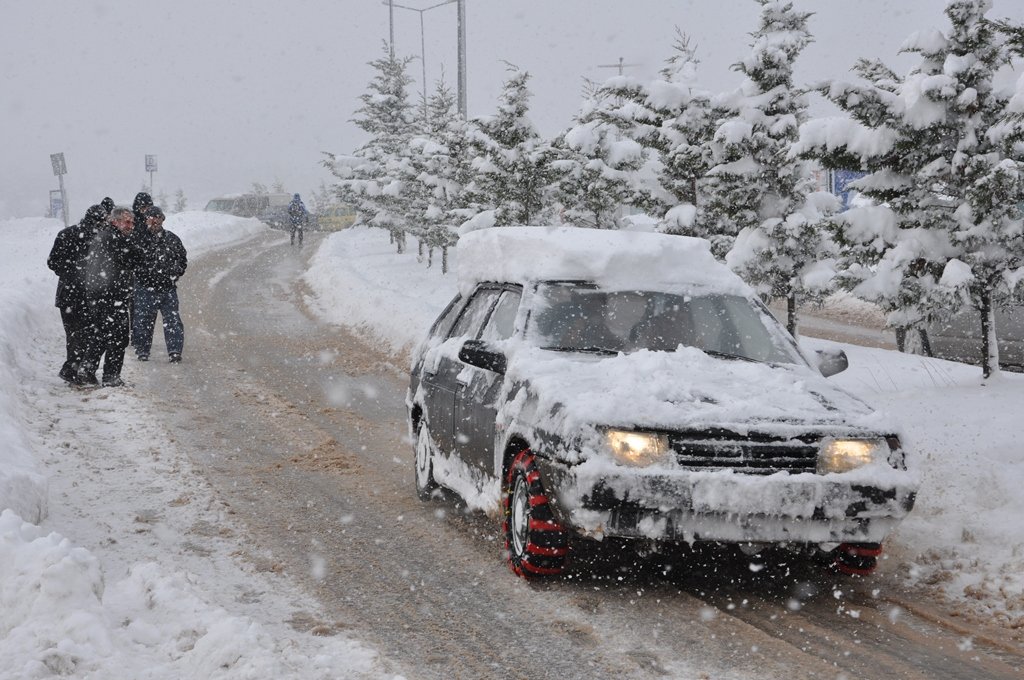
x=958, y=338
x=249, y=205
x=611, y=384
x=336, y=217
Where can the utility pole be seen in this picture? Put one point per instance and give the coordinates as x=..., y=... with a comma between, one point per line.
x=462, y=58
x=391, y=26
x=619, y=66
x=423, y=43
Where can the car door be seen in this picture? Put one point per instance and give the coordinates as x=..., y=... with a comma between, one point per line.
x=442, y=369
x=476, y=397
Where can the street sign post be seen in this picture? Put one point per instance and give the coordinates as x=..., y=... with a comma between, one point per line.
x=56, y=203
x=60, y=169
x=150, y=168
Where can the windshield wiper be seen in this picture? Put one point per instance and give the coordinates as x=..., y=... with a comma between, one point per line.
x=726, y=355
x=585, y=350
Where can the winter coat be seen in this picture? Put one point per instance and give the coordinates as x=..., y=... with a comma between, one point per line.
x=297, y=213
x=163, y=261
x=69, y=258
x=110, y=266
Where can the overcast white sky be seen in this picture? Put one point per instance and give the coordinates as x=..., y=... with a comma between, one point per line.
x=228, y=92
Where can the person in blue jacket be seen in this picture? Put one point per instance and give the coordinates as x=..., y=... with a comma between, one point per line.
x=298, y=216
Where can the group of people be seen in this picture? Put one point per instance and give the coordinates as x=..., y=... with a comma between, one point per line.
x=117, y=268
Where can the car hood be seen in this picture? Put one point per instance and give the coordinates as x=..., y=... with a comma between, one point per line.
x=685, y=389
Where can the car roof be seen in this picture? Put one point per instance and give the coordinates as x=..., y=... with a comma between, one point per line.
x=616, y=260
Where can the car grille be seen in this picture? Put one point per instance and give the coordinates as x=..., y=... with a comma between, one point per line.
x=749, y=453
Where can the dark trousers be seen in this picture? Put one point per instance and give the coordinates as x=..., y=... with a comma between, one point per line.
x=77, y=333
x=110, y=337
x=297, y=228
x=147, y=303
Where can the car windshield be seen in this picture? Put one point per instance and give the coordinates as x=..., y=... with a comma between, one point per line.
x=578, y=317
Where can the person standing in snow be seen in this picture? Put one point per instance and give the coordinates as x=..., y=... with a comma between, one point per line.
x=140, y=234
x=163, y=262
x=298, y=216
x=69, y=259
x=113, y=259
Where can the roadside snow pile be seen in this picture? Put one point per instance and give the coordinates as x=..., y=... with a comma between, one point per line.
x=358, y=281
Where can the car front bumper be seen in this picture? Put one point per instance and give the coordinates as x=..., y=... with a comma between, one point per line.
x=685, y=505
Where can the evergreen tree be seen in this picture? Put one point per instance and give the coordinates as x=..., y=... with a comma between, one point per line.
x=756, y=186
x=674, y=122
x=685, y=127
x=513, y=163
x=369, y=180
x=440, y=169
x=751, y=179
x=944, y=175
x=599, y=167
x=180, y=202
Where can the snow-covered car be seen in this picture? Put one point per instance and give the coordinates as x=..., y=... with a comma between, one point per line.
x=623, y=384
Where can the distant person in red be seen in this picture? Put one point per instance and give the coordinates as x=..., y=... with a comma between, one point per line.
x=163, y=262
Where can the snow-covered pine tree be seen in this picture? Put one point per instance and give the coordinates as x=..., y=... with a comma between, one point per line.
x=442, y=168
x=943, y=177
x=599, y=167
x=368, y=179
x=512, y=161
x=180, y=202
x=760, y=198
x=751, y=179
x=685, y=127
x=988, y=229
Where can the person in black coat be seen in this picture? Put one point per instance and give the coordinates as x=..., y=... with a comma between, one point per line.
x=164, y=260
x=70, y=260
x=108, y=283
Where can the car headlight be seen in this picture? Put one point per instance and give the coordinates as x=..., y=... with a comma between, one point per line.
x=843, y=455
x=638, y=449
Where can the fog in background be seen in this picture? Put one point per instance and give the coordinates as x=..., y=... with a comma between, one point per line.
x=226, y=93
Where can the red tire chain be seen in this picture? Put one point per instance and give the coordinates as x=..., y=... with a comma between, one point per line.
x=547, y=543
x=864, y=556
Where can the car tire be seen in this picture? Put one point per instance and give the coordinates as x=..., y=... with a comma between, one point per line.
x=857, y=559
x=536, y=545
x=424, y=464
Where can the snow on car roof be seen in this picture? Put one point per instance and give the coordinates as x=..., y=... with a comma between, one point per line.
x=617, y=260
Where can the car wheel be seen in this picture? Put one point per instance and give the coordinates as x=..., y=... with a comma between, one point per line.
x=536, y=545
x=857, y=559
x=425, y=483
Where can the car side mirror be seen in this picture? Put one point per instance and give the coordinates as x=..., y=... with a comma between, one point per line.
x=832, y=361
x=478, y=353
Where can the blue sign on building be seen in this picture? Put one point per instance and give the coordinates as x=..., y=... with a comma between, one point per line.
x=840, y=181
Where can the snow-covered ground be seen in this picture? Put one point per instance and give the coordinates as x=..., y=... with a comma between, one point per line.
x=116, y=560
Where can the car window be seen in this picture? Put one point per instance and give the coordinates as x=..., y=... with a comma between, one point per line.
x=501, y=323
x=473, y=315
x=444, y=322
x=581, y=317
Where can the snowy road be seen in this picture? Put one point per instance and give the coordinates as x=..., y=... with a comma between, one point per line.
x=321, y=478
